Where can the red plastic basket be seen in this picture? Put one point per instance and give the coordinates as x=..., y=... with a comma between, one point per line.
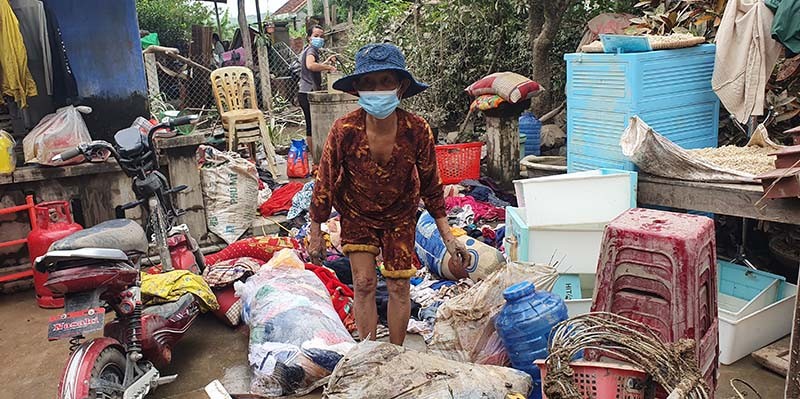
x=459, y=162
x=596, y=380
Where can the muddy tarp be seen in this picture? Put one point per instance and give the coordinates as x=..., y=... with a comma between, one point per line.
x=374, y=370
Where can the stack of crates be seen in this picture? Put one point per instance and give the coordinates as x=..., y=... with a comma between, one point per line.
x=660, y=269
x=668, y=89
x=561, y=220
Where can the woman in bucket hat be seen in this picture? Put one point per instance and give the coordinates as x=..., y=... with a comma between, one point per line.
x=377, y=163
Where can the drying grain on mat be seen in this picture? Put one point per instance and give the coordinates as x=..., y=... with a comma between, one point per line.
x=752, y=160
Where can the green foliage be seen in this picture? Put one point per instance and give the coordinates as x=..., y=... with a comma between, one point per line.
x=457, y=42
x=452, y=44
x=172, y=19
x=571, y=32
x=297, y=33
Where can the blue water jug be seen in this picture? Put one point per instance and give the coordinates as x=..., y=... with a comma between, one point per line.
x=532, y=128
x=524, y=326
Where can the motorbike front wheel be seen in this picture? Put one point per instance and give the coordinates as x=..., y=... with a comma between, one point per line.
x=109, y=367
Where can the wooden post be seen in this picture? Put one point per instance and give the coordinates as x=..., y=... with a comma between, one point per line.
x=350, y=15
x=245, y=31
x=793, y=374
x=151, y=71
x=309, y=10
x=334, y=11
x=503, y=148
x=326, y=11
x=264, y=73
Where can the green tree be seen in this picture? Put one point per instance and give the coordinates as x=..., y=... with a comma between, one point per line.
x=172, y=19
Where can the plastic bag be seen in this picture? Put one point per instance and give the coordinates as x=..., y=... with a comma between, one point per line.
x=658, y=156
x=464, y=329
x=375, y=370
x=297, y=165
x=8, y=158
x=56, y=133
x=230, y=192
x=296, y=336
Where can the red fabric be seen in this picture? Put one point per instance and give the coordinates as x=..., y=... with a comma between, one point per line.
x=341, y=295
x=230, y=306
x=261, y=248
x=281, y=199
x=482, y=210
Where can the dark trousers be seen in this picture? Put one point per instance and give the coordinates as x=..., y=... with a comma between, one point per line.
x=302, y=99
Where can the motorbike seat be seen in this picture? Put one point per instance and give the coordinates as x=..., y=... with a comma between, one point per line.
x=167, y=310
x=123, y=234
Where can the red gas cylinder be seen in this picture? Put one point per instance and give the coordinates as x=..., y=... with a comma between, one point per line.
x=53, y=222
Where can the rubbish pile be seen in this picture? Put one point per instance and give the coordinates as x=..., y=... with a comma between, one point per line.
x=537, y=257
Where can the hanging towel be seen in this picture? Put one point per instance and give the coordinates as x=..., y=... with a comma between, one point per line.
x=746, y=55
x=16, y=80
x=33, y=26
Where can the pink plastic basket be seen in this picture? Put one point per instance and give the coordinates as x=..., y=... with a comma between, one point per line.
x=596, y=380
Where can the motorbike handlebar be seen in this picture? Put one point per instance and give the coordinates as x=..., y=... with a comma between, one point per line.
x=68, y=154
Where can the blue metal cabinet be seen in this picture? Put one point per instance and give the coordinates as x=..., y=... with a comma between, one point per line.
x=669, y=89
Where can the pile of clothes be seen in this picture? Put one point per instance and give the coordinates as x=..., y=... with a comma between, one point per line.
x=474, y=205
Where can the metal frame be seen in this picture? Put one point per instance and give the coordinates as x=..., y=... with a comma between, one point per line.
x=29, y=205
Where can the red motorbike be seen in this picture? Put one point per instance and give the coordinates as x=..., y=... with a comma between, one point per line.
x=97, y=270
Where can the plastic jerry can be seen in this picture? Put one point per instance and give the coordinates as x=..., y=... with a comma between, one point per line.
x=524, y=326
x=530, y=127
x=8, y=160
x=53, y=222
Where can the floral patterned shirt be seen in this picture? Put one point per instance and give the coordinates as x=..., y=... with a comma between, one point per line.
x=378, y=196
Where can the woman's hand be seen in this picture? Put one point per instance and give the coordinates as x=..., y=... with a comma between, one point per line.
x=458, y=251
x=316, y=245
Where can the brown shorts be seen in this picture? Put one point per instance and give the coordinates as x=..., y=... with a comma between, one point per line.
x=396, y=244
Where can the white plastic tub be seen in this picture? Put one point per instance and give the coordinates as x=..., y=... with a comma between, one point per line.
x=595, y=196
x=572, y=248
x=740, y=337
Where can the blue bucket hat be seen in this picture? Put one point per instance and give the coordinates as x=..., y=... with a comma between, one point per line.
x=379, y=57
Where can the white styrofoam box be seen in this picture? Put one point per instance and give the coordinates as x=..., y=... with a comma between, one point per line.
x=573, y=248
x=595, y=196
x=739, y=338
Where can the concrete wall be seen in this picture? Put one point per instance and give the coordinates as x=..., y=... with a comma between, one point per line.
x=101, y=38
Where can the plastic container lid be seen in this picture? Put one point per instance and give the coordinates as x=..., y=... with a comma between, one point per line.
x=519, y=290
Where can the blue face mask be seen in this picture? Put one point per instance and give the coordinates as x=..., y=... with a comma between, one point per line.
x=379, y=104
x=317, y=42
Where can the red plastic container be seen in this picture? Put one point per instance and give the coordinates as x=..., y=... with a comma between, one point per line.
x=53, y=222
x=660, y=268
x=459, y=162
x=596, y=380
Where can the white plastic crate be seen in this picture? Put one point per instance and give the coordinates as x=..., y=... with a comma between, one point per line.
x=574, y=248
x=739, y=338
x=590, y=197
